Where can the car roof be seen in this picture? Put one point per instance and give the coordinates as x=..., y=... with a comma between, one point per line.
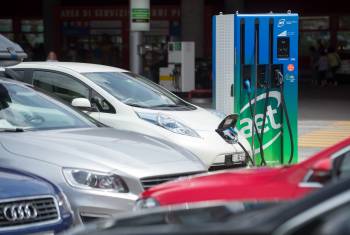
x=77, y=67
x=10, y=53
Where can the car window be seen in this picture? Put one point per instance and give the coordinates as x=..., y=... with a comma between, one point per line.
x=22, y=107
x=340, y=169
x=136, y=91
x=20, y=74
x=343, y=170
x=318, y=177
x=16, y=74
x=21, y=77
x=100, y=103
x=63, y=86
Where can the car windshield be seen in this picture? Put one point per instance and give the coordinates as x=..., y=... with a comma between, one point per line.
x=137, y=91
x=22, y=108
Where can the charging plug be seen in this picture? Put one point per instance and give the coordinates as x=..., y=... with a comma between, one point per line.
x=231, y=135
x=279, y=77
x=246, y=85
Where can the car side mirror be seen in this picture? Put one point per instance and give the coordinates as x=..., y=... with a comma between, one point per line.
x=81, y=103
x=322, y=171
x=323, y=166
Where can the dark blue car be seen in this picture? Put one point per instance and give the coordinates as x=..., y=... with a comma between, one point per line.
x=31, y=205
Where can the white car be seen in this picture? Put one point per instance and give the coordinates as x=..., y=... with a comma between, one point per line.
x=128, y=101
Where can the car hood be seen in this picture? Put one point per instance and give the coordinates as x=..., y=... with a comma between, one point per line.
x=198, y=119
x=14, y=184
x=138, y=154
x=226, y=185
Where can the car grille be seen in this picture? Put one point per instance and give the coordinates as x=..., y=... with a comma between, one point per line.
x=153, y=181
x=28, y=211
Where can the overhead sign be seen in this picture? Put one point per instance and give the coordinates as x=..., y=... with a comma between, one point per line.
x=140, y=15
x=112, y=13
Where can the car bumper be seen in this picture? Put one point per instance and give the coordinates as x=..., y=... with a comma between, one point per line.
x=63, y=224
x=89, y=205
x=212, y=149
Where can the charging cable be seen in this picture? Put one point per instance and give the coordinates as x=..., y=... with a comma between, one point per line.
x=234, y=137
x=263, y=162
x=284, y=106
x=227, y=131
x=249, y=90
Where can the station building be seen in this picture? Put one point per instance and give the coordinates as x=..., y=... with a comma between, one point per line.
x=97, y=31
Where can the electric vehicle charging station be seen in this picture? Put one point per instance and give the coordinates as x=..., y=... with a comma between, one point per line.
x=255, y=74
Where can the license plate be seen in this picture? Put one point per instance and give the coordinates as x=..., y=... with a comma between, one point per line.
x=232, y=159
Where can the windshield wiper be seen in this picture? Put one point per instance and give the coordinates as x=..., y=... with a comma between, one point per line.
x=167, y=106
x=12, y=129
x=136, y=105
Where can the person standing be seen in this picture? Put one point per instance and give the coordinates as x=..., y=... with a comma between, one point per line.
x=314, y=59
x=323, y=68
x=334, y=62
x=51, y=57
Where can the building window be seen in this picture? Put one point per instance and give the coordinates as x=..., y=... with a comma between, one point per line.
x=344, y=22
x=314, y=31
x=343, y=35
x=314, y=23
x=343, y=39
x=32, y=26
x=32, y=38
x=96, y=41
x=6, y=28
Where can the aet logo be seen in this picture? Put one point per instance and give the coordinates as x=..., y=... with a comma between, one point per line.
x=271, y=122
x=281, y=23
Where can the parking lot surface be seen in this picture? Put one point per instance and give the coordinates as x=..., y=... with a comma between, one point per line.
x=324, y=117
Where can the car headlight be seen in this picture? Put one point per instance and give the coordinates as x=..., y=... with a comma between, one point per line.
x=88, y=179
x=168, y=123
x=145, y=203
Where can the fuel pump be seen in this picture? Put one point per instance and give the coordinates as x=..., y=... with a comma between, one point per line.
x=264, y=81
x=178, y=76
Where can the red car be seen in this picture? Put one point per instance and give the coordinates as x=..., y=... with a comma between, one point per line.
x=281, y=183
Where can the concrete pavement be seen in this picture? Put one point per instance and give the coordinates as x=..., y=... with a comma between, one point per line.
x=324, y=117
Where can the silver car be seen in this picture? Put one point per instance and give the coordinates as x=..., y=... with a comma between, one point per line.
x=101, y=170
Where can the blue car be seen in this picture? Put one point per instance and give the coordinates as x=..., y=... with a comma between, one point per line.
x=31, y=205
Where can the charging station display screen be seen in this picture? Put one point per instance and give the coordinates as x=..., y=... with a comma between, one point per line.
x=283, y=47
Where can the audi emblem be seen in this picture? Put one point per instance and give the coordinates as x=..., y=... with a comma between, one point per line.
x=20, y=212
